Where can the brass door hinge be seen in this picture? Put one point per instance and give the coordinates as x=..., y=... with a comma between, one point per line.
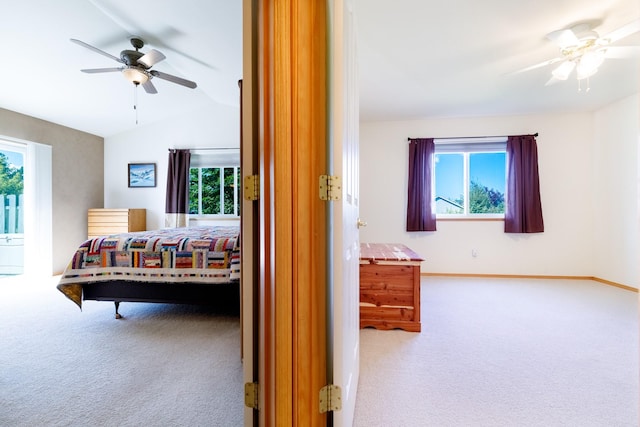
x=330, y=187
x=251, y=187
x=251, y=395
x=330, y=398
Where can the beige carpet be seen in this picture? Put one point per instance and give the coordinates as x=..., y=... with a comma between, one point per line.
x=162, y=365
x=492, y=353
x=507, y=353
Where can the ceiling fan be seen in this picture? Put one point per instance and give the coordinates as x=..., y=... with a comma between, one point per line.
x=137, y=65
x=583, y=49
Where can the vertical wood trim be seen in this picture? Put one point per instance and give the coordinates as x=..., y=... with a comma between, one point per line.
x=265, y=110
x=293, y=268
x=416, y=293
x=282, y=199
x=309, y=118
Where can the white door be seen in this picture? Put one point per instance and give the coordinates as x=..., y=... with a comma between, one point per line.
x=344, y=132
x=12, y=208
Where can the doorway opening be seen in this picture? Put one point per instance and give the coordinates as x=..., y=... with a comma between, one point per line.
x=12, y=207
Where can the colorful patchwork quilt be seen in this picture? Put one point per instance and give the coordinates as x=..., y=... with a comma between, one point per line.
x=172, y=255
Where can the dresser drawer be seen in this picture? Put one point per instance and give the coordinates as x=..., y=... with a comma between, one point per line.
x=102, y=222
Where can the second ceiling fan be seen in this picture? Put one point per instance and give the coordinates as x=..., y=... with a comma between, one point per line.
x=582, y=49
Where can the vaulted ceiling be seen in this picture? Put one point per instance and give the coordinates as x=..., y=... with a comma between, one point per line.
x=40, y=74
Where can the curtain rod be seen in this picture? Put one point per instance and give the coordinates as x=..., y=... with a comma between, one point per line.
x=206, y=148
x=471, y=137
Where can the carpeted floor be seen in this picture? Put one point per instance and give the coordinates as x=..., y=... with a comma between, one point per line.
x=161, y=365
x=506, y=352
x=499, y=352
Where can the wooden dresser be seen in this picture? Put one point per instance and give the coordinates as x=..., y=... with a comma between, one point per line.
x=111, y=221
x=389, y=286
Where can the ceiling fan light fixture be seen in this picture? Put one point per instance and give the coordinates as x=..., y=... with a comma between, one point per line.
x=563, y=71
x=588, y=64
x=135, y=75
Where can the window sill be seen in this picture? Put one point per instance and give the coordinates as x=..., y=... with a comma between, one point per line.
x=466, y=218
x=213, y=217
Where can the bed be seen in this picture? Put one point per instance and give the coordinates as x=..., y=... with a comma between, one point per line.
x=192, y=265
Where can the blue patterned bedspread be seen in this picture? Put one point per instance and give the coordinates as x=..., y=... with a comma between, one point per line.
x=172, y=255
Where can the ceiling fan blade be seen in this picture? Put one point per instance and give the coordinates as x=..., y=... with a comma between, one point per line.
x=151, y=58
x=553, y=80
x=101, y=70
x=540, y=65
x=149, y=87
x=624, y=31
x=563, y=38
x=622, y=52
x=95, y=49
x=173, y=79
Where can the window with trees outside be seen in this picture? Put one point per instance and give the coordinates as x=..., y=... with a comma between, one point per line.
x=470, y=179
x=214, y=185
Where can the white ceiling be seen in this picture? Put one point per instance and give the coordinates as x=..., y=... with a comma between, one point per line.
x=416, y=58
x=460, y=57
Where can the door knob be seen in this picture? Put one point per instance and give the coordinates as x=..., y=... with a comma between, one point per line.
x=361, y=223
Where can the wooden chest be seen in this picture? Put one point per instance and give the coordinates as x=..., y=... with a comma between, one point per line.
x=102, y=222
x=389, y=286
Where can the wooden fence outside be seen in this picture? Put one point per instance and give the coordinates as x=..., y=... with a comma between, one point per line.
x=11, y=214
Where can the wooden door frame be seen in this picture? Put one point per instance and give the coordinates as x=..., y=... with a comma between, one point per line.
x=291, y=79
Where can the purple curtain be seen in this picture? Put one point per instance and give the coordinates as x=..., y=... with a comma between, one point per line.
x=420, y=215
x=177, y=201
x=523, y=210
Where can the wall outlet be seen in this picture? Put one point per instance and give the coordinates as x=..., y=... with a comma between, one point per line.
x=474, y=253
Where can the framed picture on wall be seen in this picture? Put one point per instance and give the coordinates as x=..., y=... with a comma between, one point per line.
x=142, y=175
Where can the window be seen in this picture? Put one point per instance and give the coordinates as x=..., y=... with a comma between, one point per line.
x=214, y=184
x=469, y=178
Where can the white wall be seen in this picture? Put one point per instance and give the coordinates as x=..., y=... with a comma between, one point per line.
x=38, y=220
x=565, y=163
x=616, y=196
x=214, y=127
x=577, y=173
